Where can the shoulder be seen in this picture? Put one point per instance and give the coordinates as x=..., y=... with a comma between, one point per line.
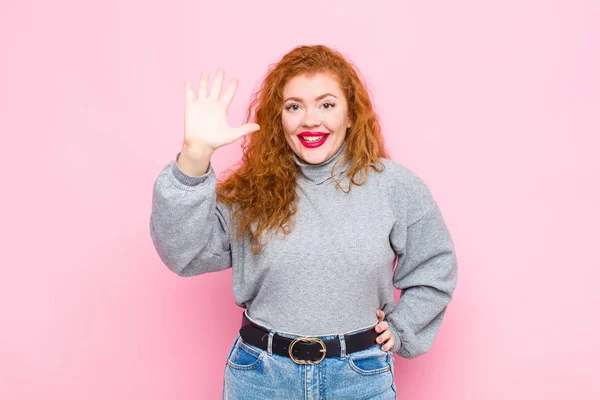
x=400, y=177
x=406, y=189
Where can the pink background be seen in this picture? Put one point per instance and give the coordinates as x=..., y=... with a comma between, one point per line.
x=494, y=104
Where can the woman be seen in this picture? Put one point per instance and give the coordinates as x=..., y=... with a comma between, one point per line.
x=311, y=222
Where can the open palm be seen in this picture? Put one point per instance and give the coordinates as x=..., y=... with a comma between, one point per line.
x=206, y=116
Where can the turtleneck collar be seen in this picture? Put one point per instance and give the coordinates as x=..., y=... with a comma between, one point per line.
x=319, y=173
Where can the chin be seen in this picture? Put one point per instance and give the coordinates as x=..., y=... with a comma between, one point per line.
x=315, y=156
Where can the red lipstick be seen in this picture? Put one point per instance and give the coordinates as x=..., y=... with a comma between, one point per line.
x=311, y=144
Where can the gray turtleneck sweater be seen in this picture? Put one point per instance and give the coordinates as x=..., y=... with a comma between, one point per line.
x=336, y=267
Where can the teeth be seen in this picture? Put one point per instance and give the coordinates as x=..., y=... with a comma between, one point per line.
x=313, y=138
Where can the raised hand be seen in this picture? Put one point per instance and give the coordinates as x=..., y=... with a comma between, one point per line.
x=206, y=116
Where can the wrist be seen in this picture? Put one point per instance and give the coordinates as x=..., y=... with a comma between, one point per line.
x=196, y=151
x=194, y=162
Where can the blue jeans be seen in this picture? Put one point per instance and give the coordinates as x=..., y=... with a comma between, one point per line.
x=252, y=373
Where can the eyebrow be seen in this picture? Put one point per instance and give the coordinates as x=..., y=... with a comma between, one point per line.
x=316, y=98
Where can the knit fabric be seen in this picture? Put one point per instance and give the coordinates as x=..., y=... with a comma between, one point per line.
x=336, y=266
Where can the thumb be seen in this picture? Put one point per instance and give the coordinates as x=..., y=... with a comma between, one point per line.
x=248, y=128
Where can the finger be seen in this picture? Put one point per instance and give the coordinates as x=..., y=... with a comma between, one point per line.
x=230, y=92
x=215, y=90
x=203, y=87
x=384, y=336
x=382, y=326
x=248, y=128
x=388, y=345
x=380, y=314
x=189, y=92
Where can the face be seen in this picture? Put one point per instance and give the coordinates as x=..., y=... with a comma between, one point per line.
x=315, y=116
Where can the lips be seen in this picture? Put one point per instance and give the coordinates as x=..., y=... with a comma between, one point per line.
x=305, y=139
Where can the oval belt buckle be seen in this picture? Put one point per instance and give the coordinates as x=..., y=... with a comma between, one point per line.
x=307, y=339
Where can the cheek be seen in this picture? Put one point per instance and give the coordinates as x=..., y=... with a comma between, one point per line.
x=289, y=124
x=336, y=121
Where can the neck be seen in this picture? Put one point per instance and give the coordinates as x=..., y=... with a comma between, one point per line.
x=319, y=173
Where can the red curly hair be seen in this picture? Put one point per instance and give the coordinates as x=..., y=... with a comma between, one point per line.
x=262, y=191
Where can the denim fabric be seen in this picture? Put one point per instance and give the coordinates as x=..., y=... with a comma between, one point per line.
x=252, y=373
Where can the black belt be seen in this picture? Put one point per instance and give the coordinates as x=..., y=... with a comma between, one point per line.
x=305, y=350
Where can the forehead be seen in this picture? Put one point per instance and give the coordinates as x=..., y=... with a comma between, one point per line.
x=312, y=86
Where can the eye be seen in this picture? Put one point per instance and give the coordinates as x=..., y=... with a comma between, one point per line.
x=290, y=107
x=327, y=106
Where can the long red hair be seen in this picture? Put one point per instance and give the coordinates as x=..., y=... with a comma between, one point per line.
x=262, y=190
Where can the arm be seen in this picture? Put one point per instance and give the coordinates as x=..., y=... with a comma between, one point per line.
x=427, y=274
x=188, y=227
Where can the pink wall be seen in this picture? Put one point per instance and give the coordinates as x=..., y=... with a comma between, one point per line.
x=494, y=104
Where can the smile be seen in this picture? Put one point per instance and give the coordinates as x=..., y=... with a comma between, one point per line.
x=312, y=139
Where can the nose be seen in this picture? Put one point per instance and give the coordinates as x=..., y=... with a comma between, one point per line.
x=311, y=118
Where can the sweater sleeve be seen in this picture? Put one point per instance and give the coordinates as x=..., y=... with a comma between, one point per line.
x=188, y=227
x=426, y=274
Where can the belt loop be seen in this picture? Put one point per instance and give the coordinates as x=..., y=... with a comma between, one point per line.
x=270, y=343
x=342, y=347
